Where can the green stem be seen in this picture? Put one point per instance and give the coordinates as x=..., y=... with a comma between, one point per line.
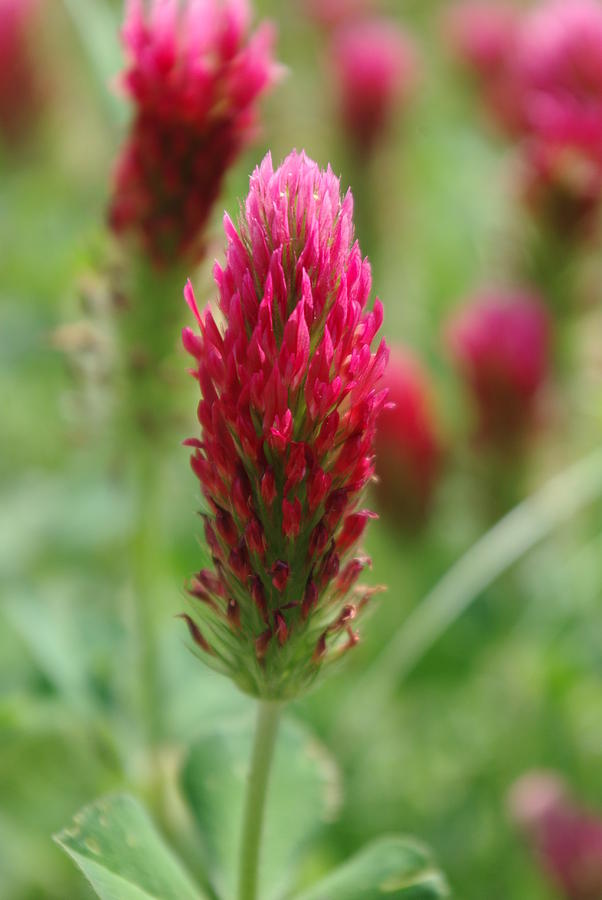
x=144, y=557
x=268, y=716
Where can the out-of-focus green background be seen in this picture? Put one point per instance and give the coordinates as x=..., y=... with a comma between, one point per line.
x=513, y=684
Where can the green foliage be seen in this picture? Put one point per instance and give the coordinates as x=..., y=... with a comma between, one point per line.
x=118, y=849
x=390, y=867
x=303, y=795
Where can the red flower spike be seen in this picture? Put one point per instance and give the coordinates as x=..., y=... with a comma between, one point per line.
x=290, y=397
x=375, y=72
x=194, y=77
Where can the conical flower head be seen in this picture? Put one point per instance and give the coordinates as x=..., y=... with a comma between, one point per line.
x=290, y=397
x=194, y=77
x=500, y=343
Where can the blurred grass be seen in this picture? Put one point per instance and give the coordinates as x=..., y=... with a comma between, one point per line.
x=513, y=684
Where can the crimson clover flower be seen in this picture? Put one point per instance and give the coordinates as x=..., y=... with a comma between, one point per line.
x=290, y=396
x=194, y=78
x=409, y=447
x=375, y=67
x=565, y=837
x=559, y=69
x=500, y=343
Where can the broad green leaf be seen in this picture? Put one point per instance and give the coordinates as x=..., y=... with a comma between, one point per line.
x=118, y=849
x=303, y=793
x=390, y=867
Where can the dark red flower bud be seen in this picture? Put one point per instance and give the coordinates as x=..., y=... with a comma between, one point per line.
x=291, y=518
x=281, y=629
x=262, y=643
x=280, y=573
x=195, y=633
x=258, y=595
x=353, y=529
x=255, y=537
x=310, y=599
x=268, y=488
x=226, y=527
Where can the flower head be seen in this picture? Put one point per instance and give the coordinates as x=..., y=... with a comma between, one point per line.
x=565, y=838
x=559, y=68
x=408, y=443
x=290, y=397
x=194, y=78
x=20, y=88
x=500, y=344
x=374, y=67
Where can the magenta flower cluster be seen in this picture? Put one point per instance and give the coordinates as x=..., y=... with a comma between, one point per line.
x=566, y=838
x=194, y=78
x=375, y=70
x=500, y=343
x=541, y=74
x=289, y=401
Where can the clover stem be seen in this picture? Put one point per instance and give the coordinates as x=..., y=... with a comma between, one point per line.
x=268, y=717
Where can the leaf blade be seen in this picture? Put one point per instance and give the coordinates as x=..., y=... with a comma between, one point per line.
x=392, y=866
x=117, y=847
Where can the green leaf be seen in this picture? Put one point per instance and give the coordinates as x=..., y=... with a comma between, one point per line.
x=303, y=793
x=118, y=849
x=390, y=867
